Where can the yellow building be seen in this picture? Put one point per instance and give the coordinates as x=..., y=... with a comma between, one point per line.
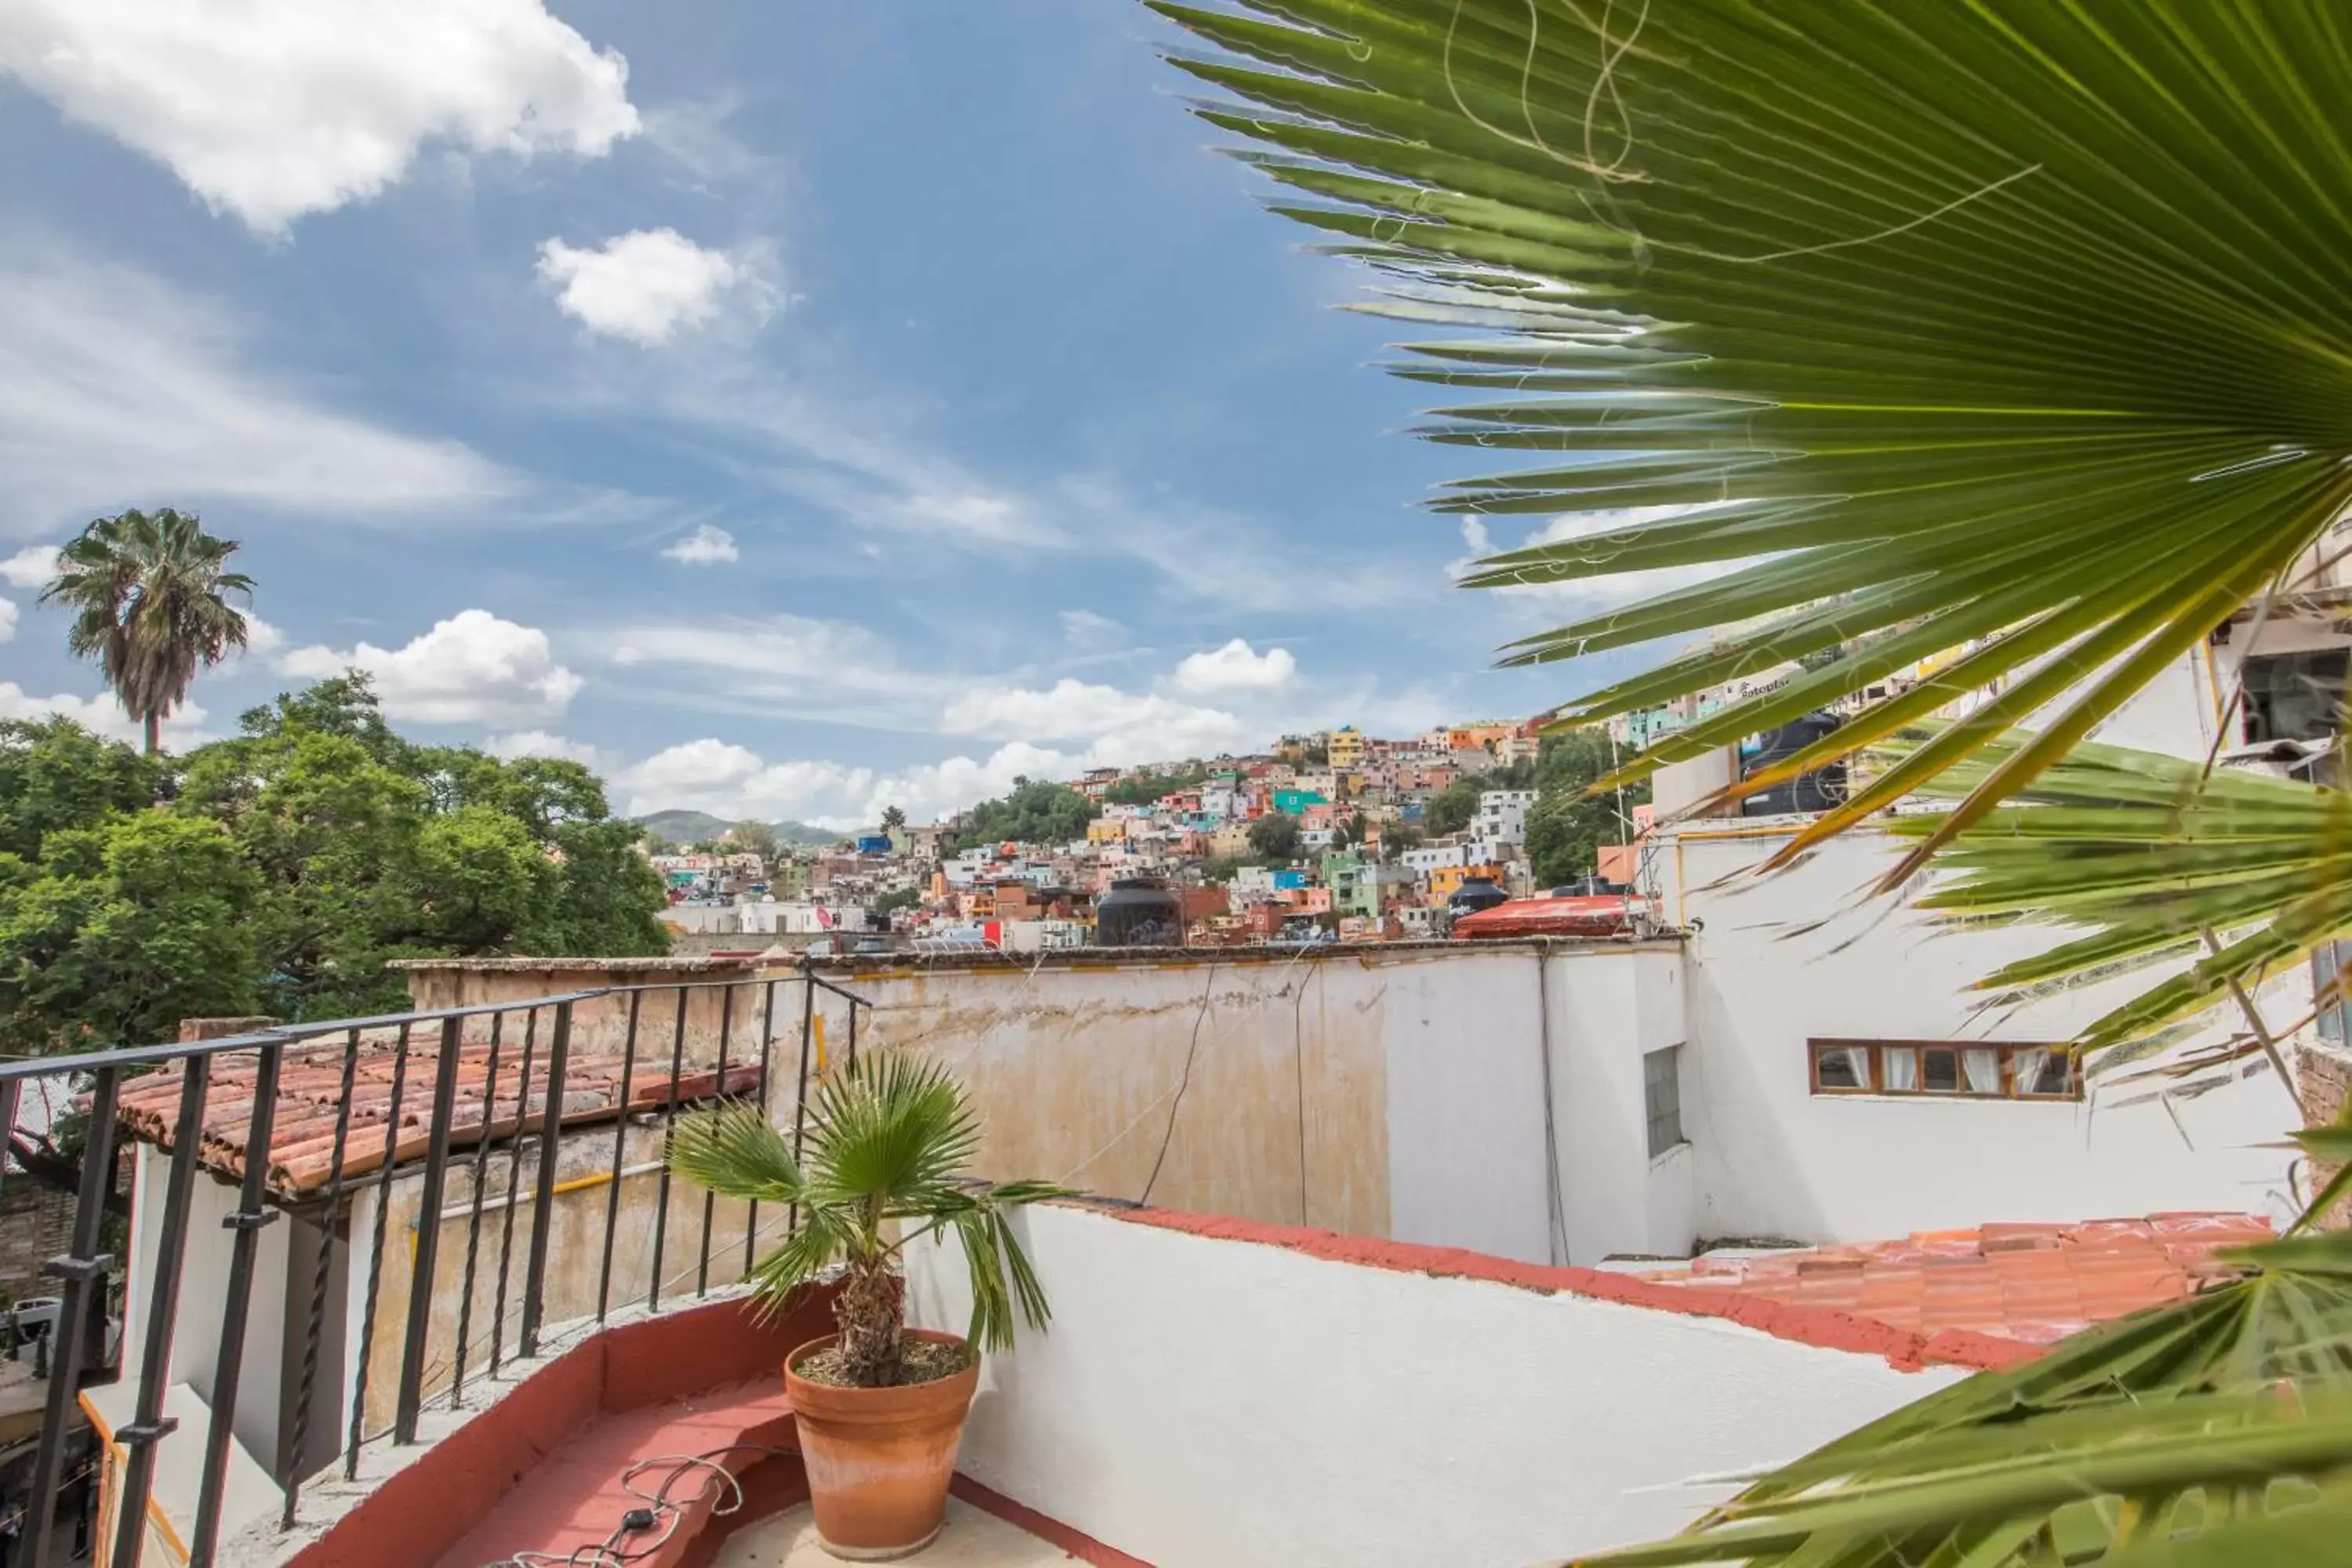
x=1345, y=749
x=1107, y=830
x=1444, y=881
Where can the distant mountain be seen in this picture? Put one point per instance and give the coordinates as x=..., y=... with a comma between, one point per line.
x=694, y=826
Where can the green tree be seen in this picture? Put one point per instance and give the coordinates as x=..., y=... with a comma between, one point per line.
x=1275, y=836
x=1035, y=813
x=897, y=898
x=1568, y=823
x=123, y=929
x=1451, y=808
x=147, y=593
x=55, y=774
x=893, y=818
x=1145, y=788
x=371, y=849
x=754, y=839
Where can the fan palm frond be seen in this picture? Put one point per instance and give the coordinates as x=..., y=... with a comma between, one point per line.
x=2150, y=859
x=2008, y=326
x=889, y=1141
x=2215, y=1430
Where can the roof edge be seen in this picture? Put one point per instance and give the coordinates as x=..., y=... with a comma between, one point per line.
x=1824, y=1328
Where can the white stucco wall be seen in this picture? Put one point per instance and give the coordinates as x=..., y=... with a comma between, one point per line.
x=202, y=1301
x=1213, y=1404
x=1465, y=1133
x=1610, y=1008
x=1800, y=955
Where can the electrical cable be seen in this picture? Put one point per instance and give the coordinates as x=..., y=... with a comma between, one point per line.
x=622, y=1545
x=1168, y=1134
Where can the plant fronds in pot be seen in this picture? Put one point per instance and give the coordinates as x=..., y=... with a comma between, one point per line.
x=883, y=1162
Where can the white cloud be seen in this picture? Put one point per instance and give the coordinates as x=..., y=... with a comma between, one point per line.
x=262, y=640
x=472, y=668
x=541, y=743
x=705, y=546
x=1588, y=595
x=1236, y=668
x=1118, y=726
x=734, y=782
x=273, y=109
x=8, y=619
x=104, y=716
x=116, y=388
x=1086, y=628
x=31, y=567
x=647, y=284
x=787, y=666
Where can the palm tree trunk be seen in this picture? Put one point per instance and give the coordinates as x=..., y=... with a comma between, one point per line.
x=154, y=731
x=867, y=1314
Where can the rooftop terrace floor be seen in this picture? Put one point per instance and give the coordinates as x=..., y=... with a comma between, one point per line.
x=971, y=1539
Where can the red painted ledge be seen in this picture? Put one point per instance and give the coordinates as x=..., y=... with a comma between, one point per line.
x=1905, y=1349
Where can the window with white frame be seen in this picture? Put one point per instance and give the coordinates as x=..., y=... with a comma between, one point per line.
x=1956, y=1070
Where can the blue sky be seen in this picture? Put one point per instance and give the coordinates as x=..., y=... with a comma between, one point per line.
x=791, y=411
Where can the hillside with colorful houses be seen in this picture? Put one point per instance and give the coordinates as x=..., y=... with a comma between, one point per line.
x=1338, y=836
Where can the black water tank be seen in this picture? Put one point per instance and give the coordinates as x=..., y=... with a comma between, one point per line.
x=1819, y=790
x=1138, y=911
x=1475, y=894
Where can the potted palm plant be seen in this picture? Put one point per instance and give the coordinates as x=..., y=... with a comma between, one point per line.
x=881, y=1407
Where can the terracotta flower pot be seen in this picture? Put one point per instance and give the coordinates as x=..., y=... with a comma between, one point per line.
x=879, y=1460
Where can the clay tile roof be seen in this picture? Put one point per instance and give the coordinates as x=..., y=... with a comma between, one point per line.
x=2027, y=1283
x=309, y=1094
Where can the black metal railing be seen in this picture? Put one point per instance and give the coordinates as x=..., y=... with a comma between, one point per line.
x=530, y=1059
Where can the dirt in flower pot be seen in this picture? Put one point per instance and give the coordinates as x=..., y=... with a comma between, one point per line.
x=920, y=1361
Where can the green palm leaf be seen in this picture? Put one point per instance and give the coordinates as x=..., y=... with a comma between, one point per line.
x=2209, y=1431
x=2149, y=858
x=2011, y=326
x=148, y=592
x=888, y=1145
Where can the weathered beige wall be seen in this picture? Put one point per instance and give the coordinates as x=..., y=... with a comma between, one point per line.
x=575, y=1251
x=601, y=1024
x=1081, y=1074
x=1076, y=1068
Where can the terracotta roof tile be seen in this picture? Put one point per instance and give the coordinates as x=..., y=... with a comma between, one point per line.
x=309, y=1093
x=2029, y=1284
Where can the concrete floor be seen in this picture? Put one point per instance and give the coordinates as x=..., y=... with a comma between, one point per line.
x=970, y=1540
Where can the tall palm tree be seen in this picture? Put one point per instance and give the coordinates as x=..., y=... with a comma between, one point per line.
x=1890, y=329
x=149, y=596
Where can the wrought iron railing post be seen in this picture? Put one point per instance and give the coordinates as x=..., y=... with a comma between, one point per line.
x=669, y=1131
x=800, y=1099
x=474, y=1215
x=514, y=1191
x=363, y=1353
x=148, y=1426
x=719, y=1090
x=83, y=1269
x=534, y=1279
x=245, y=1227
x=321, y=1273
x=620, y=1154
x=411, y=1399
x=767, y=1098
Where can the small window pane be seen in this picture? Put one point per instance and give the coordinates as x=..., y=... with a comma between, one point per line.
x=1843, y=1067
x=1662, y=1098
x=1941, y=1071
x=1901, y=1067
x=2043, y=1072
x=1983, y=1067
